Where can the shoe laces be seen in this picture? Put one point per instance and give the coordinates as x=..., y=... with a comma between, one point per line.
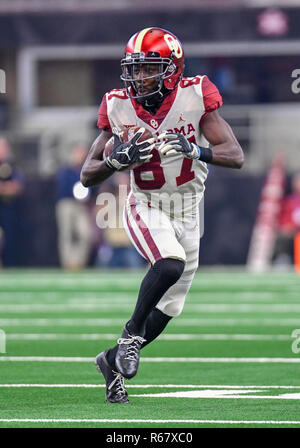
x=119, y=384
x=134, y=343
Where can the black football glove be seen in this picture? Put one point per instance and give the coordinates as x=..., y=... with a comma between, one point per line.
x=175, y=142
x=125, y=154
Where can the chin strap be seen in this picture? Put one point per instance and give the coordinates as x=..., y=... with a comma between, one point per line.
x=155, y=100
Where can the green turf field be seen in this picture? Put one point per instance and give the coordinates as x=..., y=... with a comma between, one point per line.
x=227, y=361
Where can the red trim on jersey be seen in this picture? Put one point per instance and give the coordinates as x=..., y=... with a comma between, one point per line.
x=144, y=229
x=135, y=239
x=211, y=97
x=103, y=121
x=160, y=114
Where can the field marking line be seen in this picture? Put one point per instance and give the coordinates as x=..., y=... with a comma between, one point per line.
x=206, y=322
x=152, y=359
x=221, y=394
x=73, y=283
x=147, y=386
x=130, y=297
x=163, y=337
x=68, y=296
x=203, y=307
x=98, y=420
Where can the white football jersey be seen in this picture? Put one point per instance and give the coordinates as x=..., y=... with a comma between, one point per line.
x=175, y=184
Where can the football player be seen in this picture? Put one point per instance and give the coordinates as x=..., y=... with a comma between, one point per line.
x=182, y=114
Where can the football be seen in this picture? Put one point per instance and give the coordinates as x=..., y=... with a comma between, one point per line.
x=126, y=135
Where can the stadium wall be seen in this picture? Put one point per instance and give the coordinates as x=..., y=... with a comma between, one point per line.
x=238, y=24
x=230, y=211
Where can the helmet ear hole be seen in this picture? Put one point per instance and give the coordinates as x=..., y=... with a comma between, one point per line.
x=172, y=68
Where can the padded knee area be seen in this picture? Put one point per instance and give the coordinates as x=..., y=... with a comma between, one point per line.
x=172, y=302
x=169, y=270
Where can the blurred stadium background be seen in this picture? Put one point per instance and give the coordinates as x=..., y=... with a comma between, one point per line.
x=58, y=58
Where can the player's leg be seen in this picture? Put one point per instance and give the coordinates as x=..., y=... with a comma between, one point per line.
x=115, y=388
x=160, y=277
x=153, y=321
x=173, y=300
x=171, y=304
x=152, y=231
x=155, y=325
x=158, y=319
x=153, y=235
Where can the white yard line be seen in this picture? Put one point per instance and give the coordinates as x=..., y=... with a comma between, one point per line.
x=98, y=420
x=200, y=281
x=206, y=322
x=46, y=322
x=225, y=337
x=200, y=296
x=194, y=392
x=204, y=307
x=163, y=337
x=60, y=337
x=223, y=360
x=228, y=394
x=197, y=297
x=100, y=294
x=147, y=386
x=37, y=297
x=151, y=360
x=58, y=307
x=244, y=308
x=68, y=282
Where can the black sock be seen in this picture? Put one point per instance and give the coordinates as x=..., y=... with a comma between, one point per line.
x=155, y=324
x=160, y=277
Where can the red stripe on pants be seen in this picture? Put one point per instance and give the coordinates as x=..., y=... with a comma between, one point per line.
x=144, y=229
x=134, y=237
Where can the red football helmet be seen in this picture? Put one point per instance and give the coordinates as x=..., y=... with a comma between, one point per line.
x=163, y=51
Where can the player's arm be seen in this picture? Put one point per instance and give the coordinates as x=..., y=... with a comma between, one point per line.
x=225, y=150
x=122, y=156
x=95, y=170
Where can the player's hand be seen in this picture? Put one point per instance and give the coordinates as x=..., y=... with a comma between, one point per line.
x=125, y=154
x=174, y=143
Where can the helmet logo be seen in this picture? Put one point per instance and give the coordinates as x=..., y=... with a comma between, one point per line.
x=154, y=123
x=174, y=45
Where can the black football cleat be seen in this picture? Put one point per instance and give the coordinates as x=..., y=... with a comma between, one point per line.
x=128, y=354
x=115, y=388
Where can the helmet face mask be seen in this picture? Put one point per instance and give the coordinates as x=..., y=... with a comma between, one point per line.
x=153, y=60
x=145, y=77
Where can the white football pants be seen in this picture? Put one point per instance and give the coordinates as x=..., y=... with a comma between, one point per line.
x=155, y=236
